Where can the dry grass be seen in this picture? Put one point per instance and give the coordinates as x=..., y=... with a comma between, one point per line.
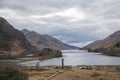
x=75, y=73
x=71, y=73
x=41, y=73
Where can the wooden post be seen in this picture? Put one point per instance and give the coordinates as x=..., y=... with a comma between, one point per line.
x=62, y=63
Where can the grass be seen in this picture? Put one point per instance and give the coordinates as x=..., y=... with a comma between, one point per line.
x=75, y=73
x=70, y=73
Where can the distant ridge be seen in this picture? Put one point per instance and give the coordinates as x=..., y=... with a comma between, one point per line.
x=45, y=41
x=109, y=45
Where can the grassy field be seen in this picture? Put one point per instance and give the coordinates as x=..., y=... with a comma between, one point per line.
x=56, y=73
x=74, y=73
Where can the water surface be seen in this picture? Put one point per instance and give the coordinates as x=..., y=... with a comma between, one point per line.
x=77, y=57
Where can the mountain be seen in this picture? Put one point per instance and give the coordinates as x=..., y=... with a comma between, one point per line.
x=12, y=42
x=109, y=45
x=45, y=41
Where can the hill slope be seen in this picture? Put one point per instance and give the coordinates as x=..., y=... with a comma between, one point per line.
x=45, y=41
x=12, y=42
x=109, y=45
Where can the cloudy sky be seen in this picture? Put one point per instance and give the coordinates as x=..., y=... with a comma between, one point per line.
x=76, y=22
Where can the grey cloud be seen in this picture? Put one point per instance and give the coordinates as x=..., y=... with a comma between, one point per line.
x=77, y=34
x=31, y=5
x=102, y=17
x=105, y=8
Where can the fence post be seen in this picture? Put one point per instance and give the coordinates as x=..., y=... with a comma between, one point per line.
x=62, y=63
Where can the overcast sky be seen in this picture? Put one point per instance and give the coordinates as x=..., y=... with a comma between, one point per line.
x=71, y=21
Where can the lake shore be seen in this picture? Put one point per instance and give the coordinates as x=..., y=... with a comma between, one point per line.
x=35, y=58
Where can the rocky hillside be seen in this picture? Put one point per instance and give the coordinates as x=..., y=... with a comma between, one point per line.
x=45, y=41
x=12, y=42
x=109, y=45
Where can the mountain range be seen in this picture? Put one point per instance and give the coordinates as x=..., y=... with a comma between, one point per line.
x=12, y=41
x=110, y=45
x=16, y=44
x=45, y=41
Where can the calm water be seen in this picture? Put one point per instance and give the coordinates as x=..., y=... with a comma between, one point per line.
x=77, y=57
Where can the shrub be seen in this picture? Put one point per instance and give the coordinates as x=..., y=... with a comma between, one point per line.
x=57, y=67
x=11, y=73
x=67, y=67
x=95, y=74
x=37, y=65
x=118, y=68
